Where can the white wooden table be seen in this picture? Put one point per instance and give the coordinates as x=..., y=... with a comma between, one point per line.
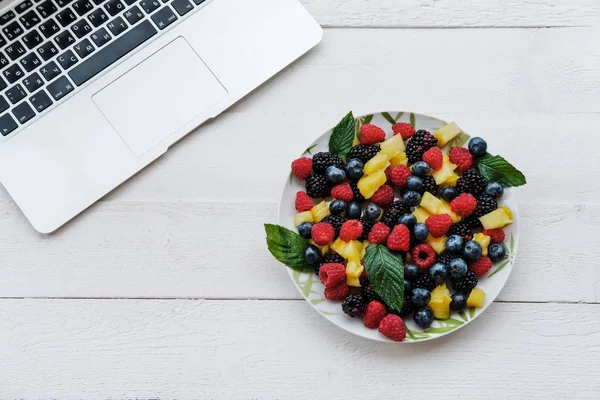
x=165, y=288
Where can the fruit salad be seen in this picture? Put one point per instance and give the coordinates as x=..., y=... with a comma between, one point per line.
x=398, y=224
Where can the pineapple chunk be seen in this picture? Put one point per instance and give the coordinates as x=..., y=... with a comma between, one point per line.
x=430, y=203
x=446, y=209
x=484, y=241
x=364, y=249
x=320, y=211
x=354, y=269
x=452, y=179
x=476, y=298
x=446, y=133
x=438, y=244
x=354, y=282
x=349, y=250
x=325, y=249
x=421, y=214
x=356, y=141
x=369, y=184
x=400, y=159
x=508, y=212
x=380, y=162
x=305, y=216
x=440, y=302
x=393, y=146
x=496, y=219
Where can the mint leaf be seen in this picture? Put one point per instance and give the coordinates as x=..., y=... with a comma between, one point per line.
x=287, y=247
x=496, y=168
x=342, y=136
x=386, y=273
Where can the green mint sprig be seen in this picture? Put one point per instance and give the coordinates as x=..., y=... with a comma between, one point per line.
x=342, y=136
x=287, y=247
x=386, y=274
x=497, y=169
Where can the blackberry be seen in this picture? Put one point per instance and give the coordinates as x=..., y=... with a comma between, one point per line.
x=354, y=305
x=424, y=282
x=368, y=293
x=358, y=197
x=336, y=221
x=323, y=160
x=466, y=284
x=364, y=152
x=329, y=258
x=461, y=228
x=470, y=182
x=317, y=186
x=429, y=185
x=367, y=226
x=407, y=307
x=446, y=257
x=394, y=212
x=485, y=205
x=472, y=221
x=419, y=144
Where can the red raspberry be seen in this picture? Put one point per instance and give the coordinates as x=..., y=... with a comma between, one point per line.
x=332, y=274
x=405, y=129
x=379, y=233
x=461, y=157
x=303, y=202
x=423, y=255
x=496, y=235
x=434, y=158
x=371, y=134
x=399, y=175
x=481, y=266
x=384, y=196
x=301, y=168
x=399, y=239
x=464, y=205
x=351, y=230
x=343, y=191
x=322, y=233
x=438, y=225
x=373, y=314
x=392, y=326
x=339, y=292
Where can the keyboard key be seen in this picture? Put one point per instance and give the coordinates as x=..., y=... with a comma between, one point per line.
x=98, y=2
x=67, y=59
x=15, y=50
x=149, y=5
x=33, y=82
x=7, y=124
x=60, y=88
x=4, y=18
x=3, y=104
x=97, y=17
x=62, y=3
x=82, y=7
x=23, y=6
x=2, y=41
x=30, y=19
x=164, y=17
x=83, y=48
x=130, y=2
x=46, y=9
x=40, y=101
x=32, y=39
x=64, y=39
x=3, y=61
x=23, y=112
x=50, y=71
x=182, y=6
x=100, y=37
x=2, y=84
x=133, y=15
x=114, y=7
x=81, y=28
x=49, y=28
x=13, y=30
x=47, y=51
x=198, y=2
x=30, y=62
x=13, y=73
x=15, y=94
x=66, y=17
x=113, y=52
x=116, y=26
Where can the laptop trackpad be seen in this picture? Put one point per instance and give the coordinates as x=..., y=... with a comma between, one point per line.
x=159, y=96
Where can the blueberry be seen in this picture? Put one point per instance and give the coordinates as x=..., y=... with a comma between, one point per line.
x=312, y=254
x=423, y=317
x=337, y=207
x=373, y=211
x=454, y=243
x=407, y=286
x=335, y=175
x=459, y=301
x=304, y=230
x=408, y=220
x=421, y=231
x=496, y=252
x=412, y=272
x=353, y=210
x=439, y=273
x=458, y=268
x=472, y=250
x=414, y=183
x=448, y=193
x=420, y=297
x=420, y=168
x=354, y=168
x=477, y=146
x=411, y=198
x=494, y=189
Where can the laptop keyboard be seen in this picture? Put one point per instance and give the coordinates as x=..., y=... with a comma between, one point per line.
x=48, y=48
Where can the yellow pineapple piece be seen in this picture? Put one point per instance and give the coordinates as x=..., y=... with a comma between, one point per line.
x=421, y=214
x=484, y=241
x=400, y=159
x=305, y=216
x=325, y=249
x=369, y=184
x=446, y=209
x=508, y=212
x=364, y=249
x=354, y=268
x=393, y=146
x=320, y=211
x=354, y=282
x=446, y=133
x=440, y=302
x=496, y=219
x=438, y=244
x=452, y=179
x=476, y=298
x=349, y=250
x=380, y=162
x=430, y=203
x=356, y=141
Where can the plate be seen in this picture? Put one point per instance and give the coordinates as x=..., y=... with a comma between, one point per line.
x=311, y=288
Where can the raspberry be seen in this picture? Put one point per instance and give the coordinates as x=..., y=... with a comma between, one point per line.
x=332, y=274
x=343, y=191
x=399, y=175
x=405, y=129
x=301, y=168
x=303, y=202
x=329, y=258
x=339, y=292
x=363, y=152
x=392, y=326
x=481, y=266
x=322, y=233
x=371, y=134
x=373, y=314
x=399, y=239
x=351, y=230
x=464, y=205
x=434, y=158
x=317, y=186
x=423, y=255
x=353, y=305
x=323, y=160
x=438, y=225
x=461, y=157
x=383, y=197
x=379, y=233
x=496, y=235
x=419, y=144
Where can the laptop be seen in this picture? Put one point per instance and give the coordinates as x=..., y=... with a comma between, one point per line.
x=92, y=91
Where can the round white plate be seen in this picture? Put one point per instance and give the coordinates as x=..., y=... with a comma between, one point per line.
x=312, y=290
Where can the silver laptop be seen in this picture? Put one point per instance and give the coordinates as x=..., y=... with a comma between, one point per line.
x=91, y=91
